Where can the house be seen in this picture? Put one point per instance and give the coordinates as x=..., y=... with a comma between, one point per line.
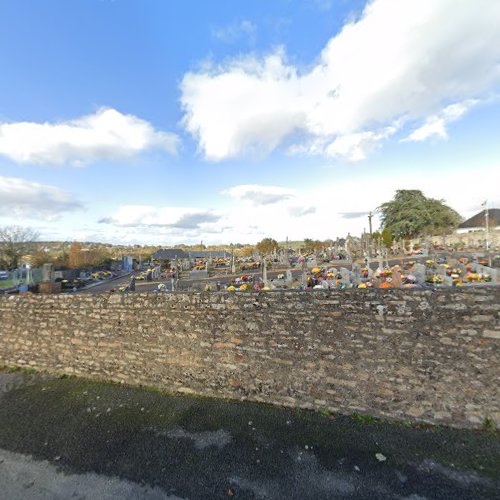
x=208, y=254
x=478, y=222
x=171, y=254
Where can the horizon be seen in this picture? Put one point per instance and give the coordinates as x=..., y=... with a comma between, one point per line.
x=125, y=123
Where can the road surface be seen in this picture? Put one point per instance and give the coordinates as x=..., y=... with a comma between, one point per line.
x=70, y=438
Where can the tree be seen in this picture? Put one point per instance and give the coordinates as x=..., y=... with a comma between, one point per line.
x=386, y=238
x=311, y=246
x=75, y=259
x=267, y=246
x=247, y=251
x=410, y=214
x=15, y=241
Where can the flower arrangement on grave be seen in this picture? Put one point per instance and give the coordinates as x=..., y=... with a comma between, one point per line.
x=475, y=277
x=464, y=260
x=364, y=272
x=454, y=272
x=385, y=284
x=315, y=270
x=256, y=287
x=385, y=273
x=435, y=279
x=231, y=288
x=362, y=285
x=244, y=287
x=429, y=263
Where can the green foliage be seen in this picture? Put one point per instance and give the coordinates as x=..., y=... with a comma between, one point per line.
x=267, y=246
x=313, y=245
x=365, y=419
x=325, y=412
x=489, y=425
x=386, y=238
x=410, y=214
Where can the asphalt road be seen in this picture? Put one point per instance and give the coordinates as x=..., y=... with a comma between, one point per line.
x=70, y=438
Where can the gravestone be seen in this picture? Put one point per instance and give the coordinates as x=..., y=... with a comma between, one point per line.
x=312, y=263
x=304, y=273
x=397, y=281
x=419, y=273
x=448, y=281
x=356, y=274
x=47, y=273
x=441, y=270
x=345, y=276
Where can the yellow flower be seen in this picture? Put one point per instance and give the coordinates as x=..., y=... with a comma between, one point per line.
x=231, y=288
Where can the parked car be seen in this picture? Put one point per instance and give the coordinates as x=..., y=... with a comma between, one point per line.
x=4, y=275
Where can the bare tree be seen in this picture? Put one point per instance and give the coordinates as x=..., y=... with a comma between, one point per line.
x=15, y=241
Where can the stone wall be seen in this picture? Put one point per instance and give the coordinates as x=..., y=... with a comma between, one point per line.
x=429, y=355
x=472, y=239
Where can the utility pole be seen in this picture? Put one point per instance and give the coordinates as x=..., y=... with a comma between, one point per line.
x=487, y=224
x=486, y=217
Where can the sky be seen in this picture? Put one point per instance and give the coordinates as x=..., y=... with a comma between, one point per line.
x=180, y=121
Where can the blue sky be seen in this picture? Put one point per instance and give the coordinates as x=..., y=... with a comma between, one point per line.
x=147, y=121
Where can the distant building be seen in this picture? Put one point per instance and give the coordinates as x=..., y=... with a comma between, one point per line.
x=171, y=254
x=208, y=254
x=478, y=222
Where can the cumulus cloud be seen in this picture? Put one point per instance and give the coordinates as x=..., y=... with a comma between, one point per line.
x=235, y=31
x=399, y=62
x=23, y=198
x=301, y=211
x=353, y=215
x=436, y=125
x=260, y=195
x=105, y=135
x=165, y=217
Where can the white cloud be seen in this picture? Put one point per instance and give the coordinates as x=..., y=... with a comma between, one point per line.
x=22, y=198
x=105, y=135
x=166, y=217
x=327, y=208
x=436, y=125
x=358, y=146
x=260, y=195
x=235, y=31
x=399, y=62
x=298, y=211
